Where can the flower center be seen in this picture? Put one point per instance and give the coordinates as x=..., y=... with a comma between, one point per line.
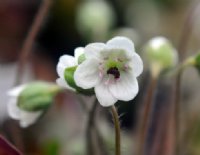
x=114, y=71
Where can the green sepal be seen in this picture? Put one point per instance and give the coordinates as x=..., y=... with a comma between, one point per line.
x=37, y=96
x=69, y=77
x=81, y=58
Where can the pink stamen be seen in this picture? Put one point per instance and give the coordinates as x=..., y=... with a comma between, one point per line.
x=108, y=81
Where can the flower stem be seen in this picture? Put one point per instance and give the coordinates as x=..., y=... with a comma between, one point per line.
x=28, y=43
x=117, y=130
x=90, y=129
x=177, y=110
x=177, y=99
x=148, y=104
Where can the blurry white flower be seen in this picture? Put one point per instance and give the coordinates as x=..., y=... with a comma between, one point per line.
x=112, y=69
x=94, y=19
x=67, y=61
x=25, y=118
x=7, y=78
x=27, y=102
x=160, y=55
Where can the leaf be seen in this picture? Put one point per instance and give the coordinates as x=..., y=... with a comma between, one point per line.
x=7, y=148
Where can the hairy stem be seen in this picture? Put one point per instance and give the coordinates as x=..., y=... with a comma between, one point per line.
x=117, y=130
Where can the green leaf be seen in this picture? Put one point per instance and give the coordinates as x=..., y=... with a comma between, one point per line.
x=37, y=96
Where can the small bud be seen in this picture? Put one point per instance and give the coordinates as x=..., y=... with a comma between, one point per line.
x=160, y=54
x=37, y=96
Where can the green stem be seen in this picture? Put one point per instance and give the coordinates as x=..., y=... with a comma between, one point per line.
x=117, y=130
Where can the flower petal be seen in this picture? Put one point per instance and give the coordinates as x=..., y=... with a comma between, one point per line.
x=126, y=88
x=104, y=96
x=136, y=64
x=93, y=50
x=28, y=118
x=78, y=52
x=122, y=43
x=16, y=90
x=13, y=110
x=65, y=61
x=62, y=83
x=87, y=74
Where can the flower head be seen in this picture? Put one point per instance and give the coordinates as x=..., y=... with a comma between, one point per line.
x=28, y=102
x=112, y=69
x=65, y=62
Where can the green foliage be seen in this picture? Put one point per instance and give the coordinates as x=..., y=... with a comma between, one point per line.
x=51, y=148
x=197, y=62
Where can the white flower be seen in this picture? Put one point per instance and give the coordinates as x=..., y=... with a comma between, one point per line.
x=25, y=118
x=112, y=69
x=67, y=61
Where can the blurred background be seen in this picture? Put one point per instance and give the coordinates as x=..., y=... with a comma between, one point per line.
x=73, y=23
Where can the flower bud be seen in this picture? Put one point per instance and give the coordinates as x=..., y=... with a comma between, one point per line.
x=28, y=102
x=94, y=19
x=160, y=54
x=37, y=96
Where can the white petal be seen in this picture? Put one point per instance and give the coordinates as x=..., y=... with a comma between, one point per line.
x=28, y=118
x=62, y=83
x=104, y=96
x=13, y=110
x=14, y=92
x=78, y=52
x=126, y=88
x=60, y=70
x=122, y=43
x=65, y=61
x=87, y=74
x=93, y=50
x=136, y=64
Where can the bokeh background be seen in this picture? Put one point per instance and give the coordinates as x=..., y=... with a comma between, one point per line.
x=73, y=23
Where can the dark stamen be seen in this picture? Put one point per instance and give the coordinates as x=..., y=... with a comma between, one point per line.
x=114, y=71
